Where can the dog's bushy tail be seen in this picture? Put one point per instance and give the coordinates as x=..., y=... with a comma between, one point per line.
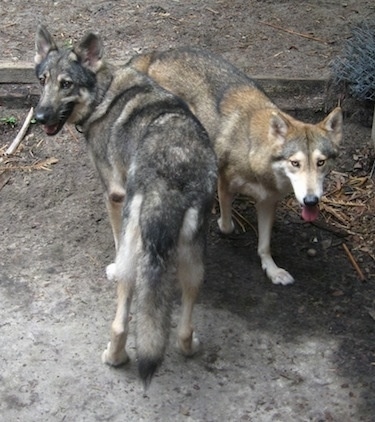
x=160, y=231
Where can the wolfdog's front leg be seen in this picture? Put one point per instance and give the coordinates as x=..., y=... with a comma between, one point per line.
x=266, y=214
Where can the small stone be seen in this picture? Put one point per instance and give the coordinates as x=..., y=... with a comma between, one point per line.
x=184, y=411
x=311, y=252
x=327, y=243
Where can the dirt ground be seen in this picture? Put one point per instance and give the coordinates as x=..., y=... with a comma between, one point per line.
x=304, y=352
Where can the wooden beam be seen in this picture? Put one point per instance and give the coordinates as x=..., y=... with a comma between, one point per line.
x=17, y=73
x=24, y=73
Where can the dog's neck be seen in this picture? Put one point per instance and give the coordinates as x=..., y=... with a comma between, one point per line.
x=112, y=82
x=104, y=77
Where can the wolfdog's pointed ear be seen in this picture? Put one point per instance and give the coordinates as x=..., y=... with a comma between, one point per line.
x=43, y=44
x=278, y=127
x=90, y=51
x=333, y=124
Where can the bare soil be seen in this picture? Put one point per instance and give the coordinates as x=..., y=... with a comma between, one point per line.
x=304, y=352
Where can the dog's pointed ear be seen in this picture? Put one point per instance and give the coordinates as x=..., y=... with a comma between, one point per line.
x=278, y=127
x=333, y=125
x=44, y=43
x=90, y=51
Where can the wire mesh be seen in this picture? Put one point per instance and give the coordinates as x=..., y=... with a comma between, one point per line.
x=355, y=67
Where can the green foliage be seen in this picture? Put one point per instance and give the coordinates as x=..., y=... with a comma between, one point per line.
x=68, y=43
x=11, y=121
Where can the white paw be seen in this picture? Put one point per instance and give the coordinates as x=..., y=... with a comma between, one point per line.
x=195, y=344
x=193, y=348
x=114, y=359
x=225, y=226
x=111, y=272
x=281, y=276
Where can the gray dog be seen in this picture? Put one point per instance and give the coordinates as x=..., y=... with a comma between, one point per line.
x=159, y=174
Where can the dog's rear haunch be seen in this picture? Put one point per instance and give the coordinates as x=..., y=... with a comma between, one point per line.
x=158, y=171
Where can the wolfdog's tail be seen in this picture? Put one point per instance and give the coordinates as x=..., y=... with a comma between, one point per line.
x=160, y=231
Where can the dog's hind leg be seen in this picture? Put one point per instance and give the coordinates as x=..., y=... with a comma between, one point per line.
x=266, y=214
x=124, y=270
x=190, y=273
x=225, y=221
x=114, y=202
x=115, y=353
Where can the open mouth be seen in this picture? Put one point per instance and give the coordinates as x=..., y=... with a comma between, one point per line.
x=310, y=212
x=51, y=130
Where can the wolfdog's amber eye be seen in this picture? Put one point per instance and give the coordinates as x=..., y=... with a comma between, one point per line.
x=295, y=163
x=42, y=80
x=66, y=84
x=321, y=163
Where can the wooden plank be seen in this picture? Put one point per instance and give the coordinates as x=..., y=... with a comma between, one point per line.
x=23, y=73
x=17, y=73
x=286, y=92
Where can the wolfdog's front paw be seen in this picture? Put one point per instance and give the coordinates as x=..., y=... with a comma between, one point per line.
x=111, y=271
x=281, y=276
x=225, y=226
x=112, y=358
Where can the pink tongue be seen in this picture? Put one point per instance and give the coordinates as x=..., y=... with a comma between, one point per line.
x=50, y=130
x=310, y=213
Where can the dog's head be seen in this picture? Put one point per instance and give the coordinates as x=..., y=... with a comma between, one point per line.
x=305, y=155
x=68, y=80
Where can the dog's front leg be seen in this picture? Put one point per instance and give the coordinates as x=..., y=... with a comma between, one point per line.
x=266, y=214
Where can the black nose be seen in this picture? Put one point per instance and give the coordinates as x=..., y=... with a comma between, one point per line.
x=310, y=200
x=44, y=114
x=41, y=116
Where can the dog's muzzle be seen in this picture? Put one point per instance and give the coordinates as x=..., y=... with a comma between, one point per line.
x=310, y=209
x=46, y=117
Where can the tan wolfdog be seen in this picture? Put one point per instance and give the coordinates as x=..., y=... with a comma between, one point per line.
x=262, y=151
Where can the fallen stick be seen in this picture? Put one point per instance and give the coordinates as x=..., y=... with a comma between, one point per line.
x=329, y=228
x=4, y=179
x=240, y=216
x=354, y=262
x=289, y=31
x=17, y=140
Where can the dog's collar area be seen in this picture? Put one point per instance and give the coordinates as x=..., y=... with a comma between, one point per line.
x=79, y=128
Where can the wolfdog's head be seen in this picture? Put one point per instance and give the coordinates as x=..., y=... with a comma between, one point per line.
x=305, y=155
x=68, y=78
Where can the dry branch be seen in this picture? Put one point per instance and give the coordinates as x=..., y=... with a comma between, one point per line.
x=38, y=165
x=289, y=31
x=4, y=179
x=18, y=139
x=354, y=262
